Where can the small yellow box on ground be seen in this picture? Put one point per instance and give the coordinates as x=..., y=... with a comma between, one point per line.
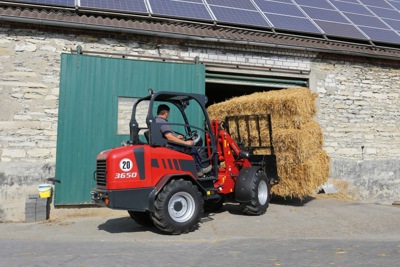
x=45, y=190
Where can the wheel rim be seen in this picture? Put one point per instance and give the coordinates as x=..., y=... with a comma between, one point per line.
x=181, y=207
x=262, y=192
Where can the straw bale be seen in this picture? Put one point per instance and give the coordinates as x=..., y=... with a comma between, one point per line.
x=302, y=164
x=301, y=180
x=290, y=107
x=345, y=191
x=299, y=143
x=251, y=137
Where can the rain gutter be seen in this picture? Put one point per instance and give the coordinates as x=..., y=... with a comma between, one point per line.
x=182, y=36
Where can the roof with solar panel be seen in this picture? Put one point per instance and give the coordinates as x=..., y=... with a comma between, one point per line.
x=373, y=22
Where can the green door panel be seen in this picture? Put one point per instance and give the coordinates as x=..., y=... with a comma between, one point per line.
x=88, y=110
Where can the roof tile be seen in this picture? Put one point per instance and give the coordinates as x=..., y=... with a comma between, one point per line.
x=183, y=29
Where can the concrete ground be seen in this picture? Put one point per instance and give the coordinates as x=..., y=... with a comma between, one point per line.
x=315, y=232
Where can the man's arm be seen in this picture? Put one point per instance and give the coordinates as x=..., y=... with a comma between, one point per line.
x=171, y=137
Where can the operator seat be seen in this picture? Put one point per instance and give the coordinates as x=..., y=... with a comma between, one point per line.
x=147, y=135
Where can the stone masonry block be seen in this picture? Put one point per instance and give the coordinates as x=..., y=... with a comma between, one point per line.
x=37, y=209
x=41, y=215
x=30, y=218
x=30, y=201
x=30, y=210
x=30, y=207
x=13, y=153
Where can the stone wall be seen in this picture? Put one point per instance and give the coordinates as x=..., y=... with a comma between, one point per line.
x=358, y=107
x=359, y=110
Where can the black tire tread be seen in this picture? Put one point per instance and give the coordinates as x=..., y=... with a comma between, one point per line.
x=254, y=207
x=160, y=216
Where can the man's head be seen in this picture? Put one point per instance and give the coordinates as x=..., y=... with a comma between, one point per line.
x=162, y=109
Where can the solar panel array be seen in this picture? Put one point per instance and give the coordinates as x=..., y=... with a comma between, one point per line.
x=194, y=9
x=118, y=5
x=50, y=2
x=364, y=20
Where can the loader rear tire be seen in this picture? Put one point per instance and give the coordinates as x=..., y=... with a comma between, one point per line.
x=141, y=217
x=178, y=207
x=260, y=195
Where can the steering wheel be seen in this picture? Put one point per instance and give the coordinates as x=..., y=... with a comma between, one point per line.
x=193, y=135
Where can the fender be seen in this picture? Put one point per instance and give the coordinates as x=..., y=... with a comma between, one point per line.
x=244, y=183
x=164, y=180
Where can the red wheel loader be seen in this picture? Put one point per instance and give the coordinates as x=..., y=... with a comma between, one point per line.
x=157, y=180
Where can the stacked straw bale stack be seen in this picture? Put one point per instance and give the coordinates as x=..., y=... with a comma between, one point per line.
x=303, y=165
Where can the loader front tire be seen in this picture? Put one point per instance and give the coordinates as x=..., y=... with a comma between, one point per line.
x=260, y=195
x=178, y=207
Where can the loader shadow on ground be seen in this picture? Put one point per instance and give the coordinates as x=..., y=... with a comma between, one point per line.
x=290, y=201
x=125, y=225
x=232, y=208
x=236, y=209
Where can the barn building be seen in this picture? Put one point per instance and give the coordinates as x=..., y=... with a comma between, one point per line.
x=69, y=69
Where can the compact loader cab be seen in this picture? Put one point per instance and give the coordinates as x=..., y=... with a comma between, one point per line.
x=188, y=119
x=158, y=181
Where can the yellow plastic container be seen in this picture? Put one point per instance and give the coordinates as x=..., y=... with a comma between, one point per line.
x=45, y=190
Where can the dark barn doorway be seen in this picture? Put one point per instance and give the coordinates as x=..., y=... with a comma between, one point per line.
x=225, y=83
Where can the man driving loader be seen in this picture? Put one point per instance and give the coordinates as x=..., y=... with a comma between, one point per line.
x=167, y=132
